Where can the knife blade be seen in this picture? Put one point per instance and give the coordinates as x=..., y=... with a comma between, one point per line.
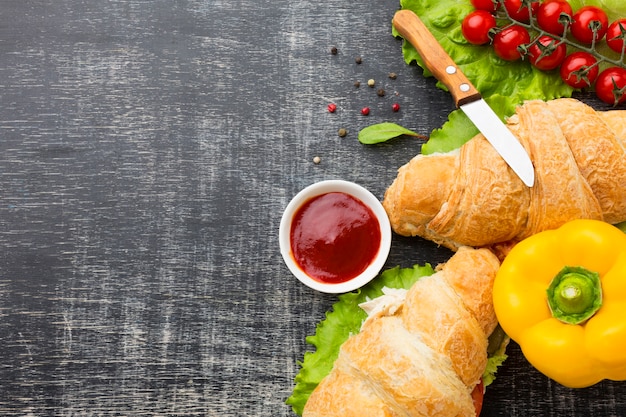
x=465, y=95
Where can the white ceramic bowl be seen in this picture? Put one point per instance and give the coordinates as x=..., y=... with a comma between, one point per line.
x=369, y=200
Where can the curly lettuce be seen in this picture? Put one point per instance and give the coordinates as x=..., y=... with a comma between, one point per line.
x=503, y=84
x=491, y=75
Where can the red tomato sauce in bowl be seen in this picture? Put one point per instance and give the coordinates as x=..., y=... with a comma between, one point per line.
x=334, y=237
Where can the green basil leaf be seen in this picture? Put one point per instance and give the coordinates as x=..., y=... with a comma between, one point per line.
x=383, y=132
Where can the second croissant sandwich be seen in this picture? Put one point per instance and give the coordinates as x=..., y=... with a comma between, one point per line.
x=471, y=197
x=421, y=354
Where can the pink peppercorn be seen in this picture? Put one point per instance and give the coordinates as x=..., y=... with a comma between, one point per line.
x=395, y=107
x=332, y=107
x=365, y=111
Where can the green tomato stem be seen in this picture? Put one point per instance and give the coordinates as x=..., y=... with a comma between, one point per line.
x=575, y=295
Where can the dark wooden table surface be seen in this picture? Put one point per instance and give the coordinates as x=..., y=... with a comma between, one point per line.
x=147, y=150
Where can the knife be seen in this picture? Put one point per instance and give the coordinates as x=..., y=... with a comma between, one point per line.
x=466, y=96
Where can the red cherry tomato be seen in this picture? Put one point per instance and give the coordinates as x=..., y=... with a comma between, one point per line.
x=506, y=43
x=488, y=5
x=547, y=53
x=476, y=27
x=519, y=11
x=616, y=34
x=611, y=85
x=579, y=70
x=478, y=395
x=589, y=23
x=551, y=15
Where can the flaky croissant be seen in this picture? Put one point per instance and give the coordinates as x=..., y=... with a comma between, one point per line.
x=471, y=197
x=424, y=356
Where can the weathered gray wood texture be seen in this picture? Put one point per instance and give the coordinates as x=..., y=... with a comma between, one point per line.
x=147, y=149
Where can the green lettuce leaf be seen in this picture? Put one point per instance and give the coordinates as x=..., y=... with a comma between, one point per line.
x=491, y=75
x=512, y=82
x=344, y=319
x=494, y=361
x=496, y=354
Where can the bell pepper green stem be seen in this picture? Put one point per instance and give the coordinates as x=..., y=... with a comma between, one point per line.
x=575, y=295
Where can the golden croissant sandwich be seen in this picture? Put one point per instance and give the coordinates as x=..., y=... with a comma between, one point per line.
x=471, y=197
x=420, y=352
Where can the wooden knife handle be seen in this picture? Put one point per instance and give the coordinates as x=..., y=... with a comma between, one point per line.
x=412, y=29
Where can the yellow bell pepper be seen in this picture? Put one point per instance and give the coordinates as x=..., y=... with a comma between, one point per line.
x=561, y=295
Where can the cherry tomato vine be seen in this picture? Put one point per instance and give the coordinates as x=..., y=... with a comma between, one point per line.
x=551, y=36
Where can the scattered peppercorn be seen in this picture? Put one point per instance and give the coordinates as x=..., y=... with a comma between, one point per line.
x=357, y=84
x=380, y=92
x=317, y=160
x=342, y=132
x=371, y=82
x=393, y=75
x=333, y=50
x=332, y=107
x=395, y=107
x=358, y=60
x=365, y=111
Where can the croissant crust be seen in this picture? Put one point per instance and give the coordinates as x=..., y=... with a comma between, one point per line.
x=422, y=359
x=472, y=197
